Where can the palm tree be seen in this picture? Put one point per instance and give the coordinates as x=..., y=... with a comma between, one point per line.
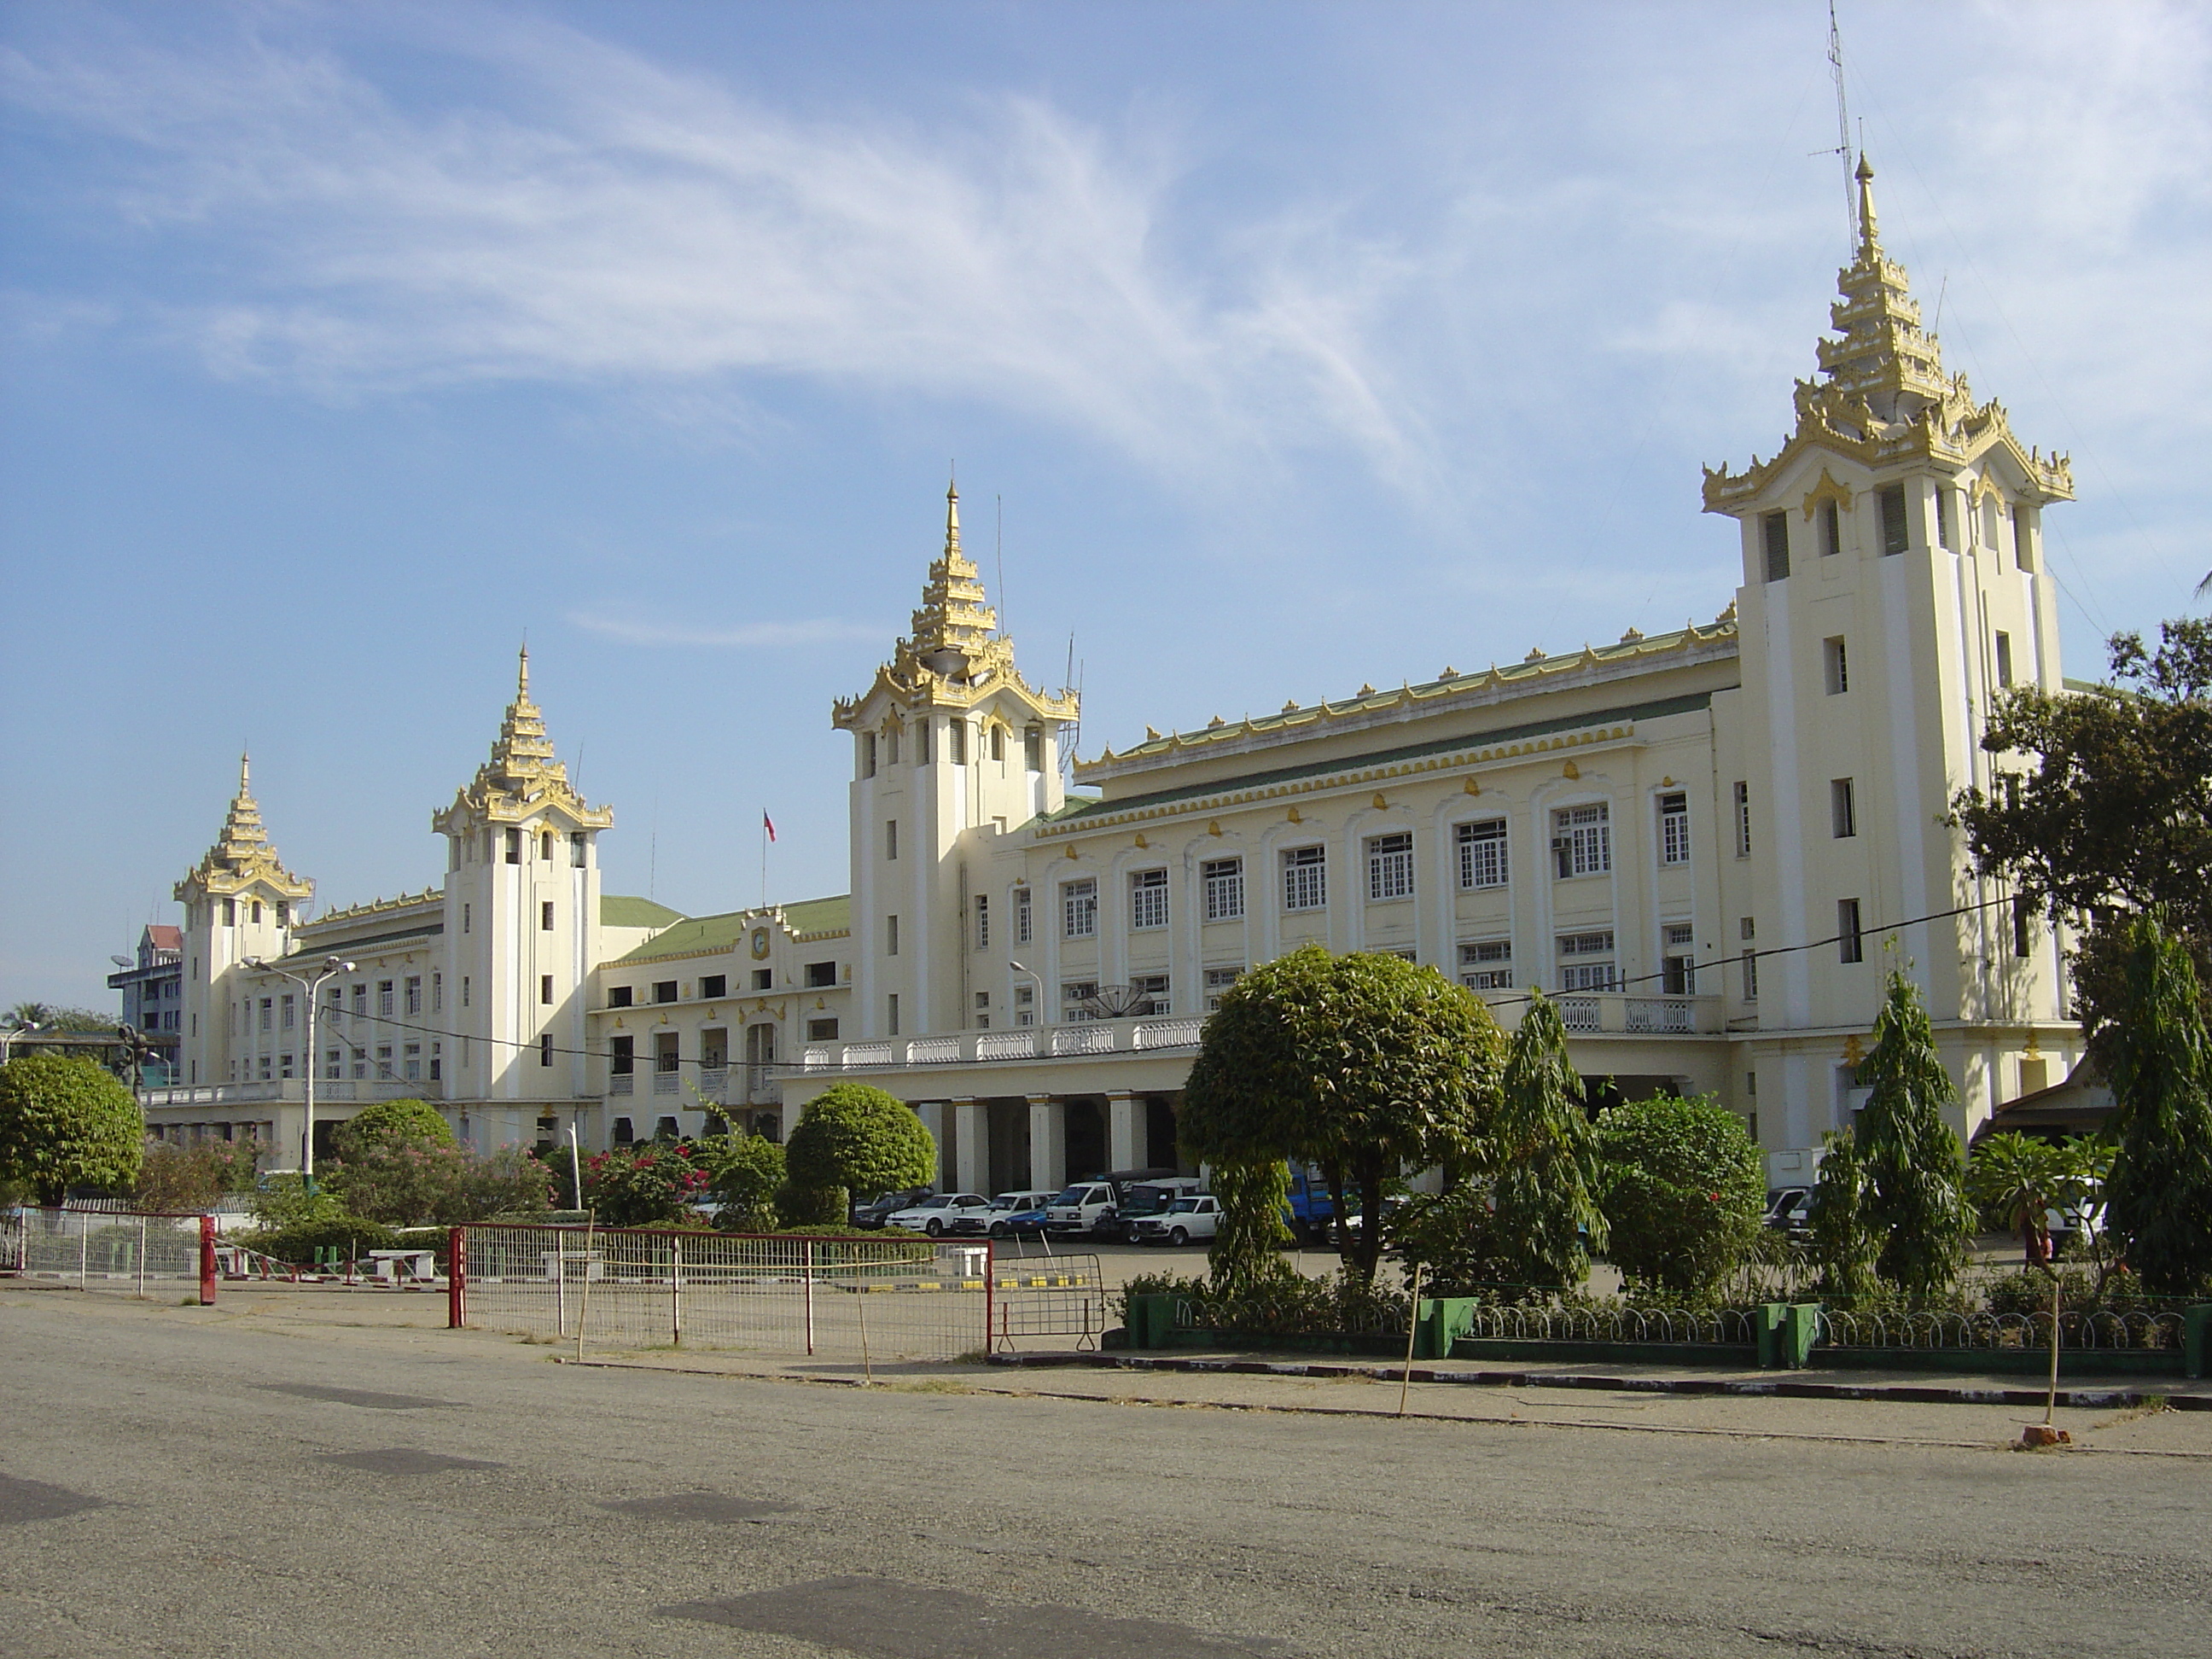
x=2016, y=1181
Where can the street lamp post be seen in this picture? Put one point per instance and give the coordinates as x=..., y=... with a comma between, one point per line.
x=30, y=1028
x=1035, y=981
x=310, y=984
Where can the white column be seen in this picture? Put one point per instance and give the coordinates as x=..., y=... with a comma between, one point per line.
x=1047, y=1143
x=971, y=1146
x=932, y=1114
x=1124, y=1130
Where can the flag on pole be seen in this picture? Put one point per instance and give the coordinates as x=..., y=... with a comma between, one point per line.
x=769, y=824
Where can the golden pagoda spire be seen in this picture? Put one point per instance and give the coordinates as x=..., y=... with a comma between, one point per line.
x=523, y=772
x=1870, y=244
x=243, y=853
x=522, y=677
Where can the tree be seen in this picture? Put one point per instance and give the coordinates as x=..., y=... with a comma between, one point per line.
x=393, y=1121
x=66, y=1122
x=1361, y=1064
x=2159, y=1196
x=1841, y=1245
x=2015, y=1181
x=744, y=1174
x=179, y=1180
x=1248, y=1247
x=2116, y=815
x=1542, y=1159
x=1915, y=1200
x=402, y=1181
x=652, y=1185
x=47, y=1017
x=862, y=1140
x=1683, y=1193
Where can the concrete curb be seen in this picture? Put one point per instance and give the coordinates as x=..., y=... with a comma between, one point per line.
x=1791, y=1388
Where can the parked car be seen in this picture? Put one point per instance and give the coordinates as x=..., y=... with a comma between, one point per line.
x=1197, y=1216
x=1079, y=1208
x=1790, y=1210
x=945, y=1212
x=1144, y=1198
x=877, y=1210
x=1013, y=1214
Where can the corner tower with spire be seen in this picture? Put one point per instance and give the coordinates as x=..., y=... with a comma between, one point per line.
x=950, y=744
x=1893, y=585
x=240, y=902
x=522, y=917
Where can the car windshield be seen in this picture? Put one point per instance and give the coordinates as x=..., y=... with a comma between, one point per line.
x=932, y=1204
x=1072, y=1195
x=1184, y=1206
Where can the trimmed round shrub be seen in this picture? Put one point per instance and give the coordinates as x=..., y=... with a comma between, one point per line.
x=65, y=1122
x=868, y=1142
x=415, y=1120
x=1683, y=1193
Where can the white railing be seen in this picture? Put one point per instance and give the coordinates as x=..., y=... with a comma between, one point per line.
x=1006, y=1045
x=336, y=1091
x=1091, y=1037
x=713, y=1083
x=667, y=1083
x=1167, y=1034
x=621, y=1083
x=933, y=1051
x=1616, y=1013
x=866, y=1054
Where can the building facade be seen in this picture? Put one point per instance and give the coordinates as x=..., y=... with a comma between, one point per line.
x=152, y=982
x=1707, y=844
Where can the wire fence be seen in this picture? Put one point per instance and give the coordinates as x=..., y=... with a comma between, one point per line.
x=126, y=1252
x=2095, y=1329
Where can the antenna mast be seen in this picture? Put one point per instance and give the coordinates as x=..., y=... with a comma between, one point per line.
x=1843, y=133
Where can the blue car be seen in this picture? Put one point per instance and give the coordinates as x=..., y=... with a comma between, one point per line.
x=1014, y=1215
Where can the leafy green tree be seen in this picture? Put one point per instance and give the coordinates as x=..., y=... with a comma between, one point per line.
x=861, y=1139
x=2159, y=1192
x=2015, y=1181
x=1247, y=1252
x=1363, y=1064
x=652, y=1185
x=177, y=1180
x=2117, y=814
x=1916, y=1200
x=1683, y=1193
x=66, y=1122
x=389, y=1120
x=1542, y=1158
x=84, y=1022
x=744, y=1174
x=1841, y=1246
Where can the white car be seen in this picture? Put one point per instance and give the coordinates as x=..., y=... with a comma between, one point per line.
x=1198, y=1216
x=1013, y=1214
x=947, y=1213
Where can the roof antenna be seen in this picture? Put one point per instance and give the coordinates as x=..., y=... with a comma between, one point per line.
x=1843, y=131
x=1001, y=500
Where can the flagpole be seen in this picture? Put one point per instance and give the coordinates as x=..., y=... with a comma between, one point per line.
x=764, y=861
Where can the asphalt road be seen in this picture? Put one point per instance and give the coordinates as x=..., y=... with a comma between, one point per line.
x=172, y=1482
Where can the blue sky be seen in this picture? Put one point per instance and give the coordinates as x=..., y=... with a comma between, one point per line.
x=1304, y=346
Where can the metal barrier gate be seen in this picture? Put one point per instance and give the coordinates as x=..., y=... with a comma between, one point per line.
x=129, y=1252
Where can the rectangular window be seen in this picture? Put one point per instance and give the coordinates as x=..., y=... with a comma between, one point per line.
x=437, y=1063
x=664, y=990
x=289, y=1015
x=982, y=921
x=890, y=839
x=1581, y=840
x=1025, y=1005
x=333, y=1066
x=545, y=989
x=921, y=743
x=514, y=847
x=359, y=1063
x=437, y=993
x=1391, y=866
x=268, y=1014
x=891, y=936
x=763, y=980
x=1487, y=965
x=2023, y=554
x=821, y=974
x=1077, y=997
x=1842, y=808
x=624, y=1050
x=1836, y=659
x=1851, y=946
x=1152, y=990
x=580, y=850
x=284, y=1065
x=1675, y=828
x=1831, y=530
x=1033, y=748
x=713, y=987
x=545, y=1049
x=1217, y=982
x=1024, y=927
x=1896, y=530
x=2004, y=661
x=957, y=733
x=1223, y=881
x=822, y=1031
x=867, y=754
x=1481, y=852
x=1743, y=820
x=890, y=1014
x=1776, y=528
x=1305, y=879
x=2023, y=927
x=383, y=997
x=618, y=996
x=1679, y=968
x=998, y=743
x=1942, y=516
x=465, y=990
x=1079, y=909
x=545, y=916
x=1579, y=968
x=1148, y=899
x=412, y=994
x=890, y=745
x=411, y=1063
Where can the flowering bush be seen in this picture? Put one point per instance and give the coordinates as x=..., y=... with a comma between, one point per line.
x=654, y=1185
x=410, y=1183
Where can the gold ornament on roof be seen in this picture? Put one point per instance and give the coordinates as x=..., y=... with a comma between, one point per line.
x=522, y=778
x=243, y=855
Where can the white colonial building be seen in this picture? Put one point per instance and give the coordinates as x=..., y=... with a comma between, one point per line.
x=1706, y=843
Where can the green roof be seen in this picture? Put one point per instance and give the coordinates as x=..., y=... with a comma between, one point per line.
x=626, y=910
x=1075, y=807
x=697, y=936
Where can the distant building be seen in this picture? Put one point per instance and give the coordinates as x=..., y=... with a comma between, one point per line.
x=154, y=997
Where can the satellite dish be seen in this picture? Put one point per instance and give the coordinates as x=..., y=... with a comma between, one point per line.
x=122, y=961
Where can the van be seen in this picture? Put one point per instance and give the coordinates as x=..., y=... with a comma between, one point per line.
x=1147, y=1198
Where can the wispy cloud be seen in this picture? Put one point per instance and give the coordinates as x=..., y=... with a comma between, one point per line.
x=768, y=635
x=613, y=221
